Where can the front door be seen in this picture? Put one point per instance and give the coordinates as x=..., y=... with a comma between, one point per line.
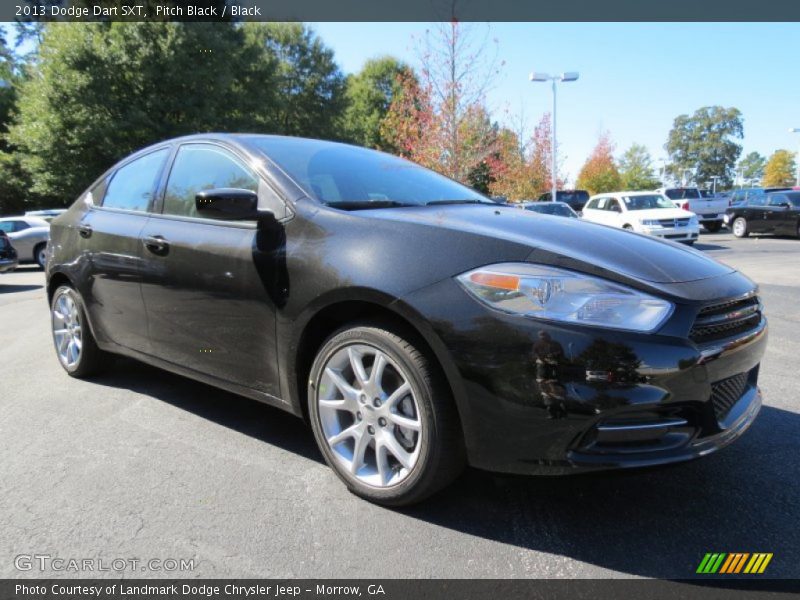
x=207, y=307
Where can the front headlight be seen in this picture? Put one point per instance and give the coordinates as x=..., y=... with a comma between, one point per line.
x=558, y=295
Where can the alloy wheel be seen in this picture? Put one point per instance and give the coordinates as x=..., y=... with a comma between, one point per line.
x=739, y=227
x=67, y=328
x=369, y=415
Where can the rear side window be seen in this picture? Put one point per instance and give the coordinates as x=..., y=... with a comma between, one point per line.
x=133, y=185
x=200, y=167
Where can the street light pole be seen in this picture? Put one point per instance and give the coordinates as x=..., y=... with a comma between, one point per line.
x=797, y=159
x=536, y=77
x=554, y=188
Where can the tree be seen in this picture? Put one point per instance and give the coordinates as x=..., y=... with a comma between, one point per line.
x=369, y=95
x=522, y=170
x=706, y=142
x=780, y=170
x=440, y=120
x=308, y=86
x=751, y=167
x=636, y=169
x=101, y=90
x=599, y=173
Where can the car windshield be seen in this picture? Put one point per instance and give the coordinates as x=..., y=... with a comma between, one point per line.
x=682, y=193
x=352, y=178
x=560, y=210
x=646, y=202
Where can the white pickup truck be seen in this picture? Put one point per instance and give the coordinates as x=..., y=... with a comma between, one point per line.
x=709, y=211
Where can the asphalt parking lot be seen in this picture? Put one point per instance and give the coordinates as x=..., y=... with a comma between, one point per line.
x=143, y=464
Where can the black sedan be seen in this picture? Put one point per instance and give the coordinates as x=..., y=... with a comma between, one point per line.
x=776, y=212
x=556, y=209
x=413, y=323
x=8, y=255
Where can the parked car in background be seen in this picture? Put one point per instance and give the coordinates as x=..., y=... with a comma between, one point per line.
x=47, y=214
x=268, y=266
x=8, y=256
x=709, y=211
x=557, y=209
x=643, y=212
x=746, y=194
x=776, y=212
x=575, y=198
x=29, y=236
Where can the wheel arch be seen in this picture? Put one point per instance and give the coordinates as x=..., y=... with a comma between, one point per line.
x=390, y=312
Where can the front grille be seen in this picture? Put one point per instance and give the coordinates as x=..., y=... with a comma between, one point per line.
x=726, y=319
x=725, y=393
x=683, y=222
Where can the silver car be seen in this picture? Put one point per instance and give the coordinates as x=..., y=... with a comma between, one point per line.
x=29, y=236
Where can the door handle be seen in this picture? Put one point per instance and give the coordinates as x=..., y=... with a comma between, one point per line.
x=85, y=231
x=156, y=244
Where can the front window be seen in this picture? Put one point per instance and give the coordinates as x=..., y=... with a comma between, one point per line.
x=199, y=167
x=350, y=177
x=647, y=202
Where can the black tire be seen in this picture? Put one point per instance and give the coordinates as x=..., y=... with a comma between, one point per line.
x=713, y=226
x=740, y=228
x=627, y=227
x=38, y=254
x=689, y=242
x=91, y=359
x=441, y=455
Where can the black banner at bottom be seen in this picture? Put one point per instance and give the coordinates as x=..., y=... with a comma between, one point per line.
x=393, y=589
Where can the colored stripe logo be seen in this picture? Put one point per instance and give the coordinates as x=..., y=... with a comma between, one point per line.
x=723, y=563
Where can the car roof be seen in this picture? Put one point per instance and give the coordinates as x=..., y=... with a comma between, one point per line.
x=32, y=221
x=624, y=193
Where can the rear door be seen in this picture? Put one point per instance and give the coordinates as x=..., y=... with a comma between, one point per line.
x=207, y=306
x=108, y=235
x=780, y=216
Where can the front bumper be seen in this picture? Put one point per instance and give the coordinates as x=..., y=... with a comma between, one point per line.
x=677, y=234
x=537, y=397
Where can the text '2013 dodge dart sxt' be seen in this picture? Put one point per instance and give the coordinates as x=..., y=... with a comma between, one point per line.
x=416, y=325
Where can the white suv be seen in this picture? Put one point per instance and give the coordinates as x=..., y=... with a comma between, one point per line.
x=643, y=212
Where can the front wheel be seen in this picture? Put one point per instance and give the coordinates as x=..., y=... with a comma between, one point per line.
x=713, y=226
x=382, y=416
x=76, y=347
x=740, y=227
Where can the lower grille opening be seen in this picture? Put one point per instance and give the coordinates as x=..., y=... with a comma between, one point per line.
x=726, y=393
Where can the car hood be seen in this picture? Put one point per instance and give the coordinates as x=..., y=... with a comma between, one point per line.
x=570, y=243
x=660, y=213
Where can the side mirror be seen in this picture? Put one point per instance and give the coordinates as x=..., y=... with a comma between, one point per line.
x=228, y=204
x=786, y=205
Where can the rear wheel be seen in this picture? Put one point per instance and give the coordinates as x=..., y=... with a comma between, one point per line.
x=740, y=227
x=382, y=417
x=75, y=345
x=713, y=226
x=40, y=254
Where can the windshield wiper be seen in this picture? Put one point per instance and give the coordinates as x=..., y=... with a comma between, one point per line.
x=464, y=201
x=367, y=204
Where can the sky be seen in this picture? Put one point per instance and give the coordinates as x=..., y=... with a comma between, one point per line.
x=635, y=78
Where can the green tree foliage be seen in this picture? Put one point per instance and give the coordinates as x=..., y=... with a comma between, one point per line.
x=706, y=141
x=780, y=169
x=308, y=86
x=101, y=90
x=752, y=166
x=599, y=173
x=636, y=169
x=370, y=93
